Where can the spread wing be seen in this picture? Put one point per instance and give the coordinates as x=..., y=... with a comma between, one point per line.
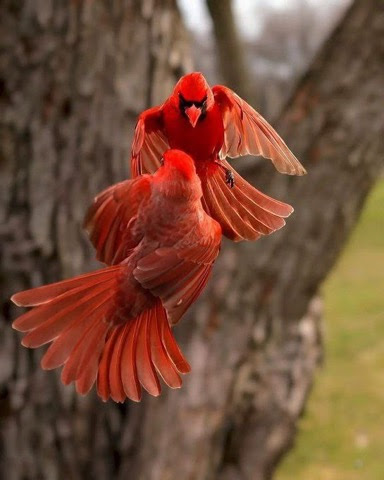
x=244, y=213
x=110, y=219
x=247, y=132
x=178, y=274
x=149, y=142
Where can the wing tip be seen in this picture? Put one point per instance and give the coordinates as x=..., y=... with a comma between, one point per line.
x=175, y=387
x=300, y=171
x=297, y=170
x=290, y=211
x=18, y=300
x=136, y=399
x=183, y=367
x=18, y=324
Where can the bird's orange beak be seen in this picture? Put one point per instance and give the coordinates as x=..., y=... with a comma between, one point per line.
x=193, y=113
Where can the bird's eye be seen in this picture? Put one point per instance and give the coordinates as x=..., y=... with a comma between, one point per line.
x=182, y=100
x=183, y=103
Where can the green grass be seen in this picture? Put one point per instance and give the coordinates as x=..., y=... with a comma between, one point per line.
x=341, y=436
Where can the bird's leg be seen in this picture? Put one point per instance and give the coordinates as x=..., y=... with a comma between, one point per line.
x=229, y=176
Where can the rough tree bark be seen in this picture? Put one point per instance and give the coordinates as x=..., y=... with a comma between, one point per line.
x=255, y=342
x=73, y=77
x=255, y=339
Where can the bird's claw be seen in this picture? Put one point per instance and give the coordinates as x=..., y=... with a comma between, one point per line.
x=229, y=178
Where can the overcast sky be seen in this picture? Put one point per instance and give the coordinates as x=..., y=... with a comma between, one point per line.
x=196, y=17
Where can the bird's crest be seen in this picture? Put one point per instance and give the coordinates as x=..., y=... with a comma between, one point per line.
x=193, y=87
x=183, y=163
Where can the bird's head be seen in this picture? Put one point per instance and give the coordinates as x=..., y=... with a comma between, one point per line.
x=193, y=97
x=179, y=163
x=177, y=175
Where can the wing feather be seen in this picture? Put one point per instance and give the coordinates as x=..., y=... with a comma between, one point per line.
x=149, y=142
x=111, y=218
x=178, y=274
x=243, y=212
x=248, y=133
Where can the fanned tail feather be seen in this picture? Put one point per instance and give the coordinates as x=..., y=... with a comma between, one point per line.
x=77, y=316
x=135, y=354
x=243, y=212
x=46, y=293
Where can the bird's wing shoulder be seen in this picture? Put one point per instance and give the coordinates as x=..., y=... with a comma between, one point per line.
x=178, y=274
x=149, y=142
x=111, y=218
x=247, y=132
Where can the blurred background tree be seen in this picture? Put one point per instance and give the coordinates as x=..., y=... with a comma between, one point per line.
x=230, y=49
x=73, y=79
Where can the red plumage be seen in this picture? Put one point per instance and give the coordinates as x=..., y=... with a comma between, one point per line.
x=113, y=325
x=209, y=125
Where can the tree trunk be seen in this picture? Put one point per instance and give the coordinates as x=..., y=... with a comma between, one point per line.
x=69, y=93
x=74, y=75
x=255, y=341
x=230, y=51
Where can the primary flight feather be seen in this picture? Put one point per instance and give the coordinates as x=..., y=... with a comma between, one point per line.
x=113, y=325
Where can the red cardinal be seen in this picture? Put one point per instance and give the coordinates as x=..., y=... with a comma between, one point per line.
x=114, y=324
x=211, y=124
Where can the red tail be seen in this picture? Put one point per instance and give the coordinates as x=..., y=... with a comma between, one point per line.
x=76, y=316
x=243, y=212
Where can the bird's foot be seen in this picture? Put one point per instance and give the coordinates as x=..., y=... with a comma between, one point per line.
x=229, y=178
